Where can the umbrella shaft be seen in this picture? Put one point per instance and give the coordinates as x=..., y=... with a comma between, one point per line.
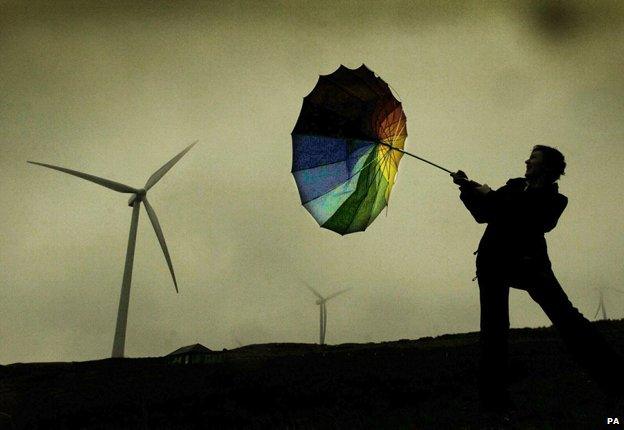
x=415, y=156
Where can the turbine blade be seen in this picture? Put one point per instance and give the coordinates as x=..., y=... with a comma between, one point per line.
x=316, y=293
x=161, y=238
x=122, y=188
x=338, y=293
x=165, y=168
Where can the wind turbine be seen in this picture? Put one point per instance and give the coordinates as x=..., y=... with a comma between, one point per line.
x=601, y=305
x=138, y=195
x=322, y=302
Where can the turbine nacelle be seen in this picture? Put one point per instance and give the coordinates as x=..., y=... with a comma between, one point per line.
x=140, y=195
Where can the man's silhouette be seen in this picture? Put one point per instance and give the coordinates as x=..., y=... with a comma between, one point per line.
x=512, y=253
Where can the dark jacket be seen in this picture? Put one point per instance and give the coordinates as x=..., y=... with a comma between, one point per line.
x=517, y=218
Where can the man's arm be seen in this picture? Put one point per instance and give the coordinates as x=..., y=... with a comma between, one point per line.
x=477, y=198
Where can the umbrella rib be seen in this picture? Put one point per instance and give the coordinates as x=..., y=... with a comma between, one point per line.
x=321, y=165
x=378, y=118
x=377, y=178
x=349, y=178
x=342, y=183
x=368, y=222
x=377, y=167
x=390, y=108
x=368, y=186
x=393, y=135
x=372, y=143
x=378, y=82
x=327, y=108
x=386, y=160
x=394, y=161
x=345, y=90
x=374, y=177
x=396, y=133
x=369, y=85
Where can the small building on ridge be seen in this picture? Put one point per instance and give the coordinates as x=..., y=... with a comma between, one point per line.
x=191, y=354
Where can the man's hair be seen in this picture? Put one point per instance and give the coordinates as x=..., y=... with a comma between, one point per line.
x=553, y=159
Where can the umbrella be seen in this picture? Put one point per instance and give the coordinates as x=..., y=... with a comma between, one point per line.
x=347, y=144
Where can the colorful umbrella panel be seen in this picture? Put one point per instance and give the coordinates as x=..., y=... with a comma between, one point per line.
x=344, y=163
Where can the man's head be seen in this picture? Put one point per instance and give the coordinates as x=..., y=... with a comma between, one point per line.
x=545, y=162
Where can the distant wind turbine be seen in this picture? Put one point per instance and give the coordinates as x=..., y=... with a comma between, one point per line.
x=601, y=305
x=322, y=302
x=138, y=195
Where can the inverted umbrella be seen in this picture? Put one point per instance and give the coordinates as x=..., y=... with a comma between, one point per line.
x=347, y=144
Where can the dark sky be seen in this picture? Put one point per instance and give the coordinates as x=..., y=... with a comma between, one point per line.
x=116, y=90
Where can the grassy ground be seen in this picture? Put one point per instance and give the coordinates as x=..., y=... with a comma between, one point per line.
x=414, y=384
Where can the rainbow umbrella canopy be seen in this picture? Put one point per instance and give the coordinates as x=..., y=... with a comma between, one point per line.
x=347, y=144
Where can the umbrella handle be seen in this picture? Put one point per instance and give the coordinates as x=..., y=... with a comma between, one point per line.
x=415, y=156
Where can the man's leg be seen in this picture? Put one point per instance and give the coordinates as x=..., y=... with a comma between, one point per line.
x=493, y=378
x=587, y=346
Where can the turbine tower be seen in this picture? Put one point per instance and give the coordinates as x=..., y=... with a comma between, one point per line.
x=322, y=302
x=138, y=195
x=601, y=305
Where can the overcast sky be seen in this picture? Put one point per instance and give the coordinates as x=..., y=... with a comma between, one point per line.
x=116, y=91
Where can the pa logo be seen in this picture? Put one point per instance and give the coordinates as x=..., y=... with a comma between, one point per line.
x=613, y=421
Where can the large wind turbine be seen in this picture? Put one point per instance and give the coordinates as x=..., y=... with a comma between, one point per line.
x=322, y=302
x=138, y=195
x=601, y=305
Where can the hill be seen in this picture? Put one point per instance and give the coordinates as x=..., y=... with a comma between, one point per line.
x=428, y=383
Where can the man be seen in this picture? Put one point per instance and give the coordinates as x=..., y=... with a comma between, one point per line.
x=513, y=253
